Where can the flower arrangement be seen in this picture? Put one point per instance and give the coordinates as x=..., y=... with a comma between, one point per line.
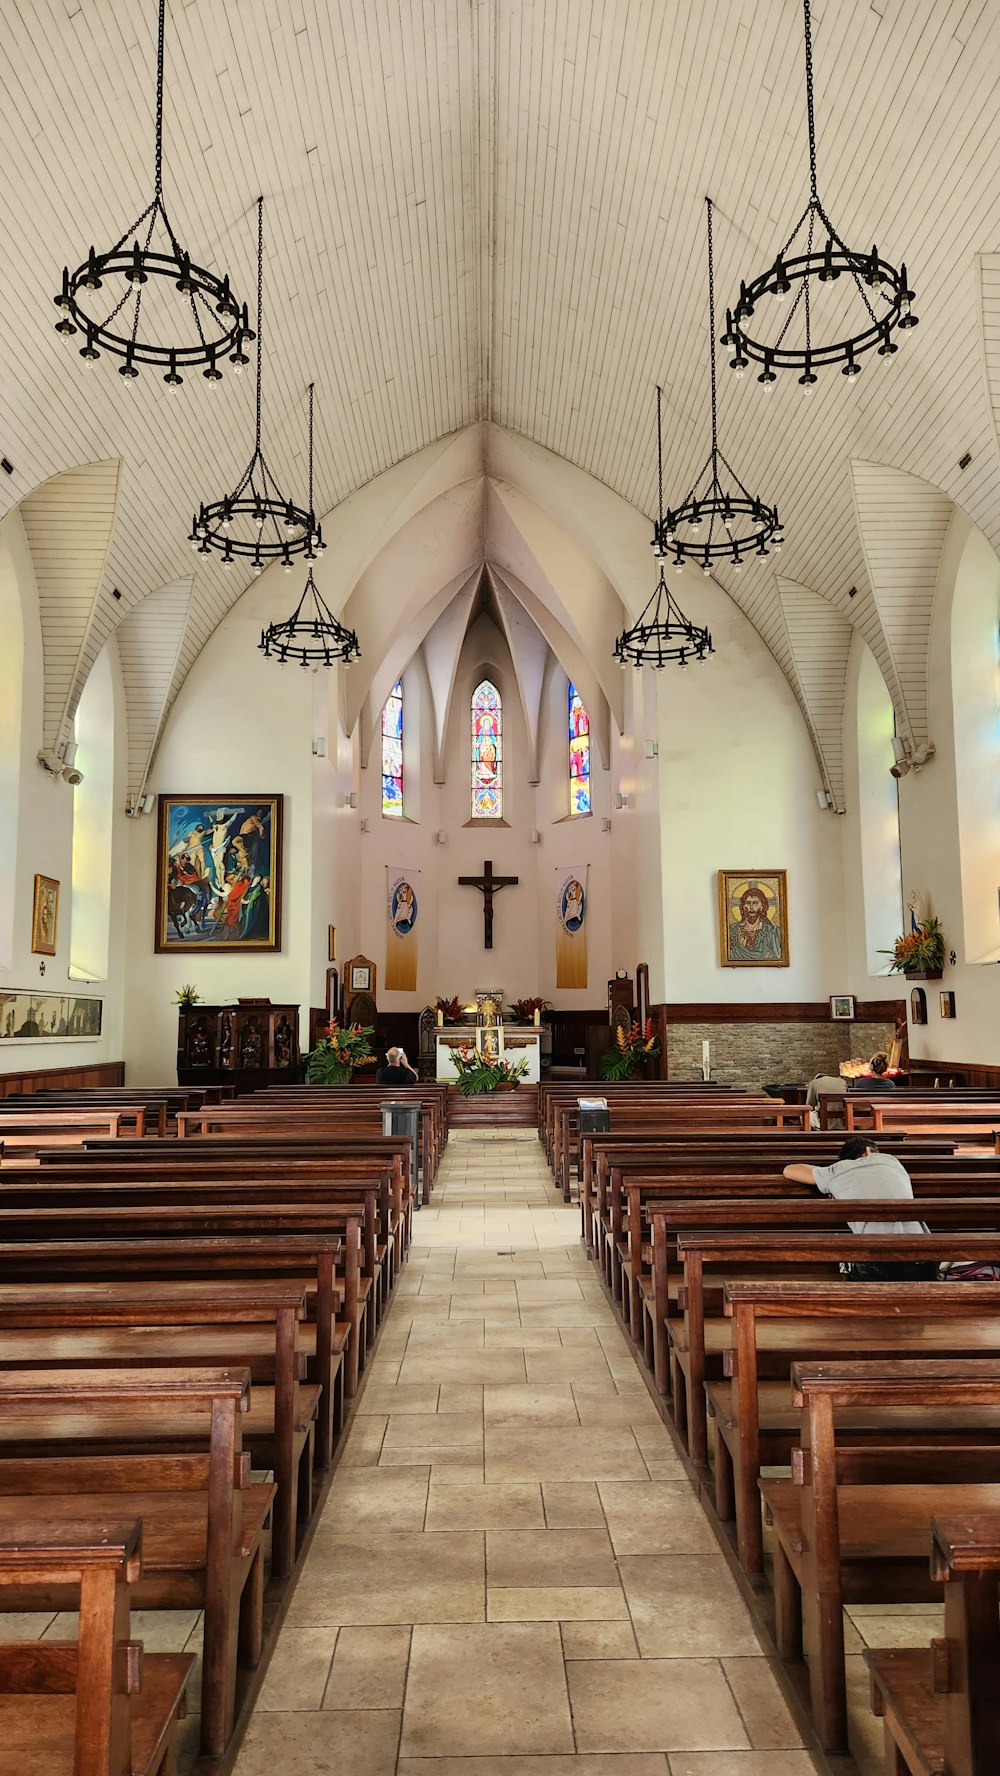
x=918, y=952
x=630, y=1052
x=450, y=1009
x=477, y=1074
x=525, y=1009
x=186, y=996
x=338, y=1052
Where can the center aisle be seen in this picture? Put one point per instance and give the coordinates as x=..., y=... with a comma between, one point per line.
x=512, y=1576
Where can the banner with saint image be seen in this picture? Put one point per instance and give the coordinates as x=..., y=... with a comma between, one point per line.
x=571, y=925
x=402, y=907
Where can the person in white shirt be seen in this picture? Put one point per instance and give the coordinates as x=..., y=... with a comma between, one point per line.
x=860, y=1172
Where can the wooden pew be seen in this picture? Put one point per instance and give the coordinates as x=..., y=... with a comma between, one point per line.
x=939, y=1703
x=99, y=1705
x=852, y=1525
x=255, y=1325
x=67, y=1441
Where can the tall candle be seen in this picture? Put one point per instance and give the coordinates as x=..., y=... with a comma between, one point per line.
x=538, y=1017
x=440, y=1019
x=706, y=1060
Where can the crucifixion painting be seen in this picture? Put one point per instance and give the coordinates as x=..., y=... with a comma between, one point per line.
x=488, y=884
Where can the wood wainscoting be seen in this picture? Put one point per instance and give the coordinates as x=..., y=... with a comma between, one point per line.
x=98, y=1073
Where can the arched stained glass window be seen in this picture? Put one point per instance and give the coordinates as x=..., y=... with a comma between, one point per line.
x=392, y=752
x=579, y=755
x=487, y=752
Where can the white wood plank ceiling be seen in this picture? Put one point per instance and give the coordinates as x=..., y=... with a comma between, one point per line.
x=494, y=209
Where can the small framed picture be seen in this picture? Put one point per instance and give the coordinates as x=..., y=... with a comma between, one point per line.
x=842, y=1007
x=45, y=916
x=918, y=1006
x=947, y=1004
x=361, y=978
x=331, y=943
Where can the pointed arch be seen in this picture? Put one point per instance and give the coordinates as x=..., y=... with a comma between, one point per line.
x=579, y=752
x=392, y=754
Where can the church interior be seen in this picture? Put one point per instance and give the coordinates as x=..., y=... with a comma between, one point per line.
x=499, y=831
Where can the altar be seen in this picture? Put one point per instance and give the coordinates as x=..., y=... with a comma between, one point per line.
x=517, y=1042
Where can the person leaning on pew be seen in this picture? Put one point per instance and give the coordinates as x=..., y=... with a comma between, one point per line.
x=862, y=1172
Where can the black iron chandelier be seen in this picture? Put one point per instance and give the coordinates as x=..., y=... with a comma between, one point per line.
x=256, y=523
x=220, y=325
x=884, y=292
x=739, y=524
x=663, y=632
x=312, y=634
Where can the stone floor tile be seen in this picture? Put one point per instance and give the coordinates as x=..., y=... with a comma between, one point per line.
x=507, y=1504
x=329, y=1743
x=899, y=1630
x=369, y=1668
x=429, y=1364
x=627, y=1764
x=441, y=1454
x=461, y=1396
x=741, y=1763
x=495, y=1688
x=655, y=1517
x=27, y=1624
x=686, y=1605
x=447, y=1429
x=558, y=1363
x=556, y=1603
x=653, y=1705
x=297, y=1674
x=572, y=1504
x=377, y=1497
x=599, y=1640
x=539, y=1402
x=566, y=1452
x=385, y=1577
x=382, y=1398
x=549, y=1557
x=548, y=1292
x=766, y=1714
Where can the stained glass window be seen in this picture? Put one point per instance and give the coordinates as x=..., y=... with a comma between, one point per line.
x=487, y=752
x=579, y=755
x=392, y=752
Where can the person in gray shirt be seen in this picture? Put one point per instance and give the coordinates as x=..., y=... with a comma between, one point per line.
x=860, y=1172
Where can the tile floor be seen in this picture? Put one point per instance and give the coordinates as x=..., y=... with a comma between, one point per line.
x=512, y=1576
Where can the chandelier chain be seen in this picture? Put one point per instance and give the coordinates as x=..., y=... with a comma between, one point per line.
x=711, y=332
x=810, y=102
x=312, y=389
x=659, y=449
x=260, y=309
x=160, y=37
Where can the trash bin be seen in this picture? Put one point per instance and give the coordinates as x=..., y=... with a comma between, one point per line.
x=595, y=1118
x=404, y=1119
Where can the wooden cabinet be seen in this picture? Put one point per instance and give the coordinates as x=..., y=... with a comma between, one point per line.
x=248, y=1044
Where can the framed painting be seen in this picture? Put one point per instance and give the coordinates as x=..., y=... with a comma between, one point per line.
x=44, y=916
x=361, y=977
x=218, y=873
x=26, y=1016
x=842, y=1006
x=753, y=918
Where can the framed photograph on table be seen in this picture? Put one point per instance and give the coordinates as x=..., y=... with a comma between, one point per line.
x=218, y=873
x=842, y=1007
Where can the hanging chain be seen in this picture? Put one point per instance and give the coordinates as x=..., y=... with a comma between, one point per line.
x=159, y=99
x=711, y=331
x=659, y=453
x=260, y=304
x=312, y=386
x=810, y=100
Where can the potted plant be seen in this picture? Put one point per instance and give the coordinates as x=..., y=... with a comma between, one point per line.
x=478, y=1074
x=338, y=1052
x=919, y=954
x=524, y=1009
x=186, y=996
x=630, y=1053
x=450, y=1009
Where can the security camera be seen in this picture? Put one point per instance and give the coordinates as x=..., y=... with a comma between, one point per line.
x=71, y=775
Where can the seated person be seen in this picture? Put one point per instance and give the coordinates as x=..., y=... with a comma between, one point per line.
x=862, y=1172
x=824, y=1082
x=397, y=1070
x=877, y=1078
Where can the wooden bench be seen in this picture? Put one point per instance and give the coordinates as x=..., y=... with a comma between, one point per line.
x=98, y=1705
x=939, y=1703
x=75, y=1444
x=852, y=1525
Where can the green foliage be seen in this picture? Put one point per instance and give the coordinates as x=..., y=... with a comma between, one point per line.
x=476, y=1074
x=921, y=950
x=337, y=1053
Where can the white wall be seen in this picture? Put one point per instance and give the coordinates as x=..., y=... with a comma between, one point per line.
x=13, y=549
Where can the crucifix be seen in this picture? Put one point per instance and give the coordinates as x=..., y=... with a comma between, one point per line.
x=488, y=884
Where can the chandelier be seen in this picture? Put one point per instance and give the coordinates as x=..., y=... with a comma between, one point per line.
x=880, y=299
x=256, y=523
x=219, y=327
x=663, y=632
x=738, y=523
x=312, y=634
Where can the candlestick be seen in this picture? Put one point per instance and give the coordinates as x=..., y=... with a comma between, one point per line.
x=440, y=1019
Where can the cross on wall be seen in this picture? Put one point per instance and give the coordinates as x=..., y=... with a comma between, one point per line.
x=488, y=885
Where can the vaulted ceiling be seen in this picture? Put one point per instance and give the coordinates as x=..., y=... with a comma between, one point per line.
x=493, y=209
